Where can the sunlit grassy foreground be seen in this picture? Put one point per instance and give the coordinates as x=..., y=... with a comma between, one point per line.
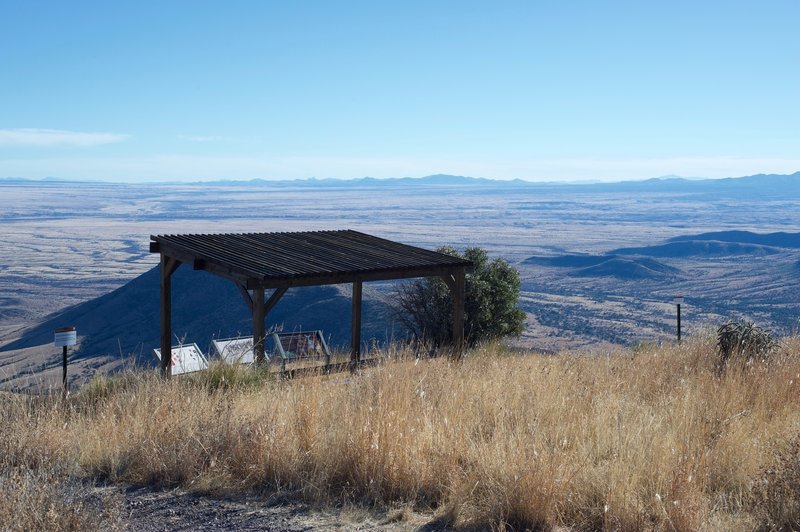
x=645, y=439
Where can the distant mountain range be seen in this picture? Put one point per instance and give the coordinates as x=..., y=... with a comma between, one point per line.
x=754, y=185
x=760, y=184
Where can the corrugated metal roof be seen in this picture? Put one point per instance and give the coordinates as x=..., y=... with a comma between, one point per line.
x=310, y=256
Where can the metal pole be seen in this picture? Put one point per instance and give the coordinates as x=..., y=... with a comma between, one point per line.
x=64, y=376
x=679, y=323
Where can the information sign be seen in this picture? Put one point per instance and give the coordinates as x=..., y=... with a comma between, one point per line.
x=186, y=358
x=66, y=336
x=302, y=344
x=235, y=350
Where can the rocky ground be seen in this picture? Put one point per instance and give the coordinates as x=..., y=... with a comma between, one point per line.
x=151, y=510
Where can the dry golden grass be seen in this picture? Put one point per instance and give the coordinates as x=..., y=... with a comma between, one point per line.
x=644, y=439
x=40, y=488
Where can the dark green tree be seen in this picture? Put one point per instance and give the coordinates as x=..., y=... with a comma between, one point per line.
x=491, y=308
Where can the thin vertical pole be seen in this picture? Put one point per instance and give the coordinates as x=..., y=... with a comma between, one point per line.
x=355, y=330
x=259, y=333
x=458, y=313
x=64, y=375
x=166, y=317
x=679, y=323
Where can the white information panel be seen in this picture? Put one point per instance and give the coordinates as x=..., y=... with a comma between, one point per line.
x=186, y=359
x=66, y=336
x=235, y=350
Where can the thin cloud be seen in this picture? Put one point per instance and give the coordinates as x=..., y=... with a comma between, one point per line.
x=211, y=138
x=56, y=137
x=201, y=138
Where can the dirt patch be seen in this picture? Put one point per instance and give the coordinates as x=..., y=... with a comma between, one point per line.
x=150, y=510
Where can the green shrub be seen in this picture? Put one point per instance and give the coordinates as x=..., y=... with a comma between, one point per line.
x=491, y=296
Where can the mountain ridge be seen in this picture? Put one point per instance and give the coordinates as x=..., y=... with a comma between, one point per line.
x=757, y=183
x=641, y=262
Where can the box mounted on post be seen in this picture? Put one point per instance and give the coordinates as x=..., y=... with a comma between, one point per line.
x=65, y=337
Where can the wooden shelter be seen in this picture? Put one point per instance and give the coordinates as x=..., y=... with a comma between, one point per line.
x=257, y=262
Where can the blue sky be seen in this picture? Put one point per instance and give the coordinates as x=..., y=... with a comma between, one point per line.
x=538, y=90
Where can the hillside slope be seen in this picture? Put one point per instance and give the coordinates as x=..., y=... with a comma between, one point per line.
x=624, y=268
x=610, y=265
x=699, y=248
x=126, y=322
x=779, y=239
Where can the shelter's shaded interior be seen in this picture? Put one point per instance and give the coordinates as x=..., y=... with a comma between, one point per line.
x=257, y=262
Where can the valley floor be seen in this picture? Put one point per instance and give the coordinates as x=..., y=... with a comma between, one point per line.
x=54, y=257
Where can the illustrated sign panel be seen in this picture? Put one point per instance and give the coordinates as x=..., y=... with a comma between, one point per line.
x=235, y=350
x=186, y=359
x=301, y=344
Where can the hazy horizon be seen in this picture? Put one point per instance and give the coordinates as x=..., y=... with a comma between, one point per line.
x=355, y=179
x=153, y=92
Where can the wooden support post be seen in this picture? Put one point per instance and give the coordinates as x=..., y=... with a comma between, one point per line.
x=259, y=309
x=458, y=314
x=355, y=353
x=168, y=267
x=259, y=333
